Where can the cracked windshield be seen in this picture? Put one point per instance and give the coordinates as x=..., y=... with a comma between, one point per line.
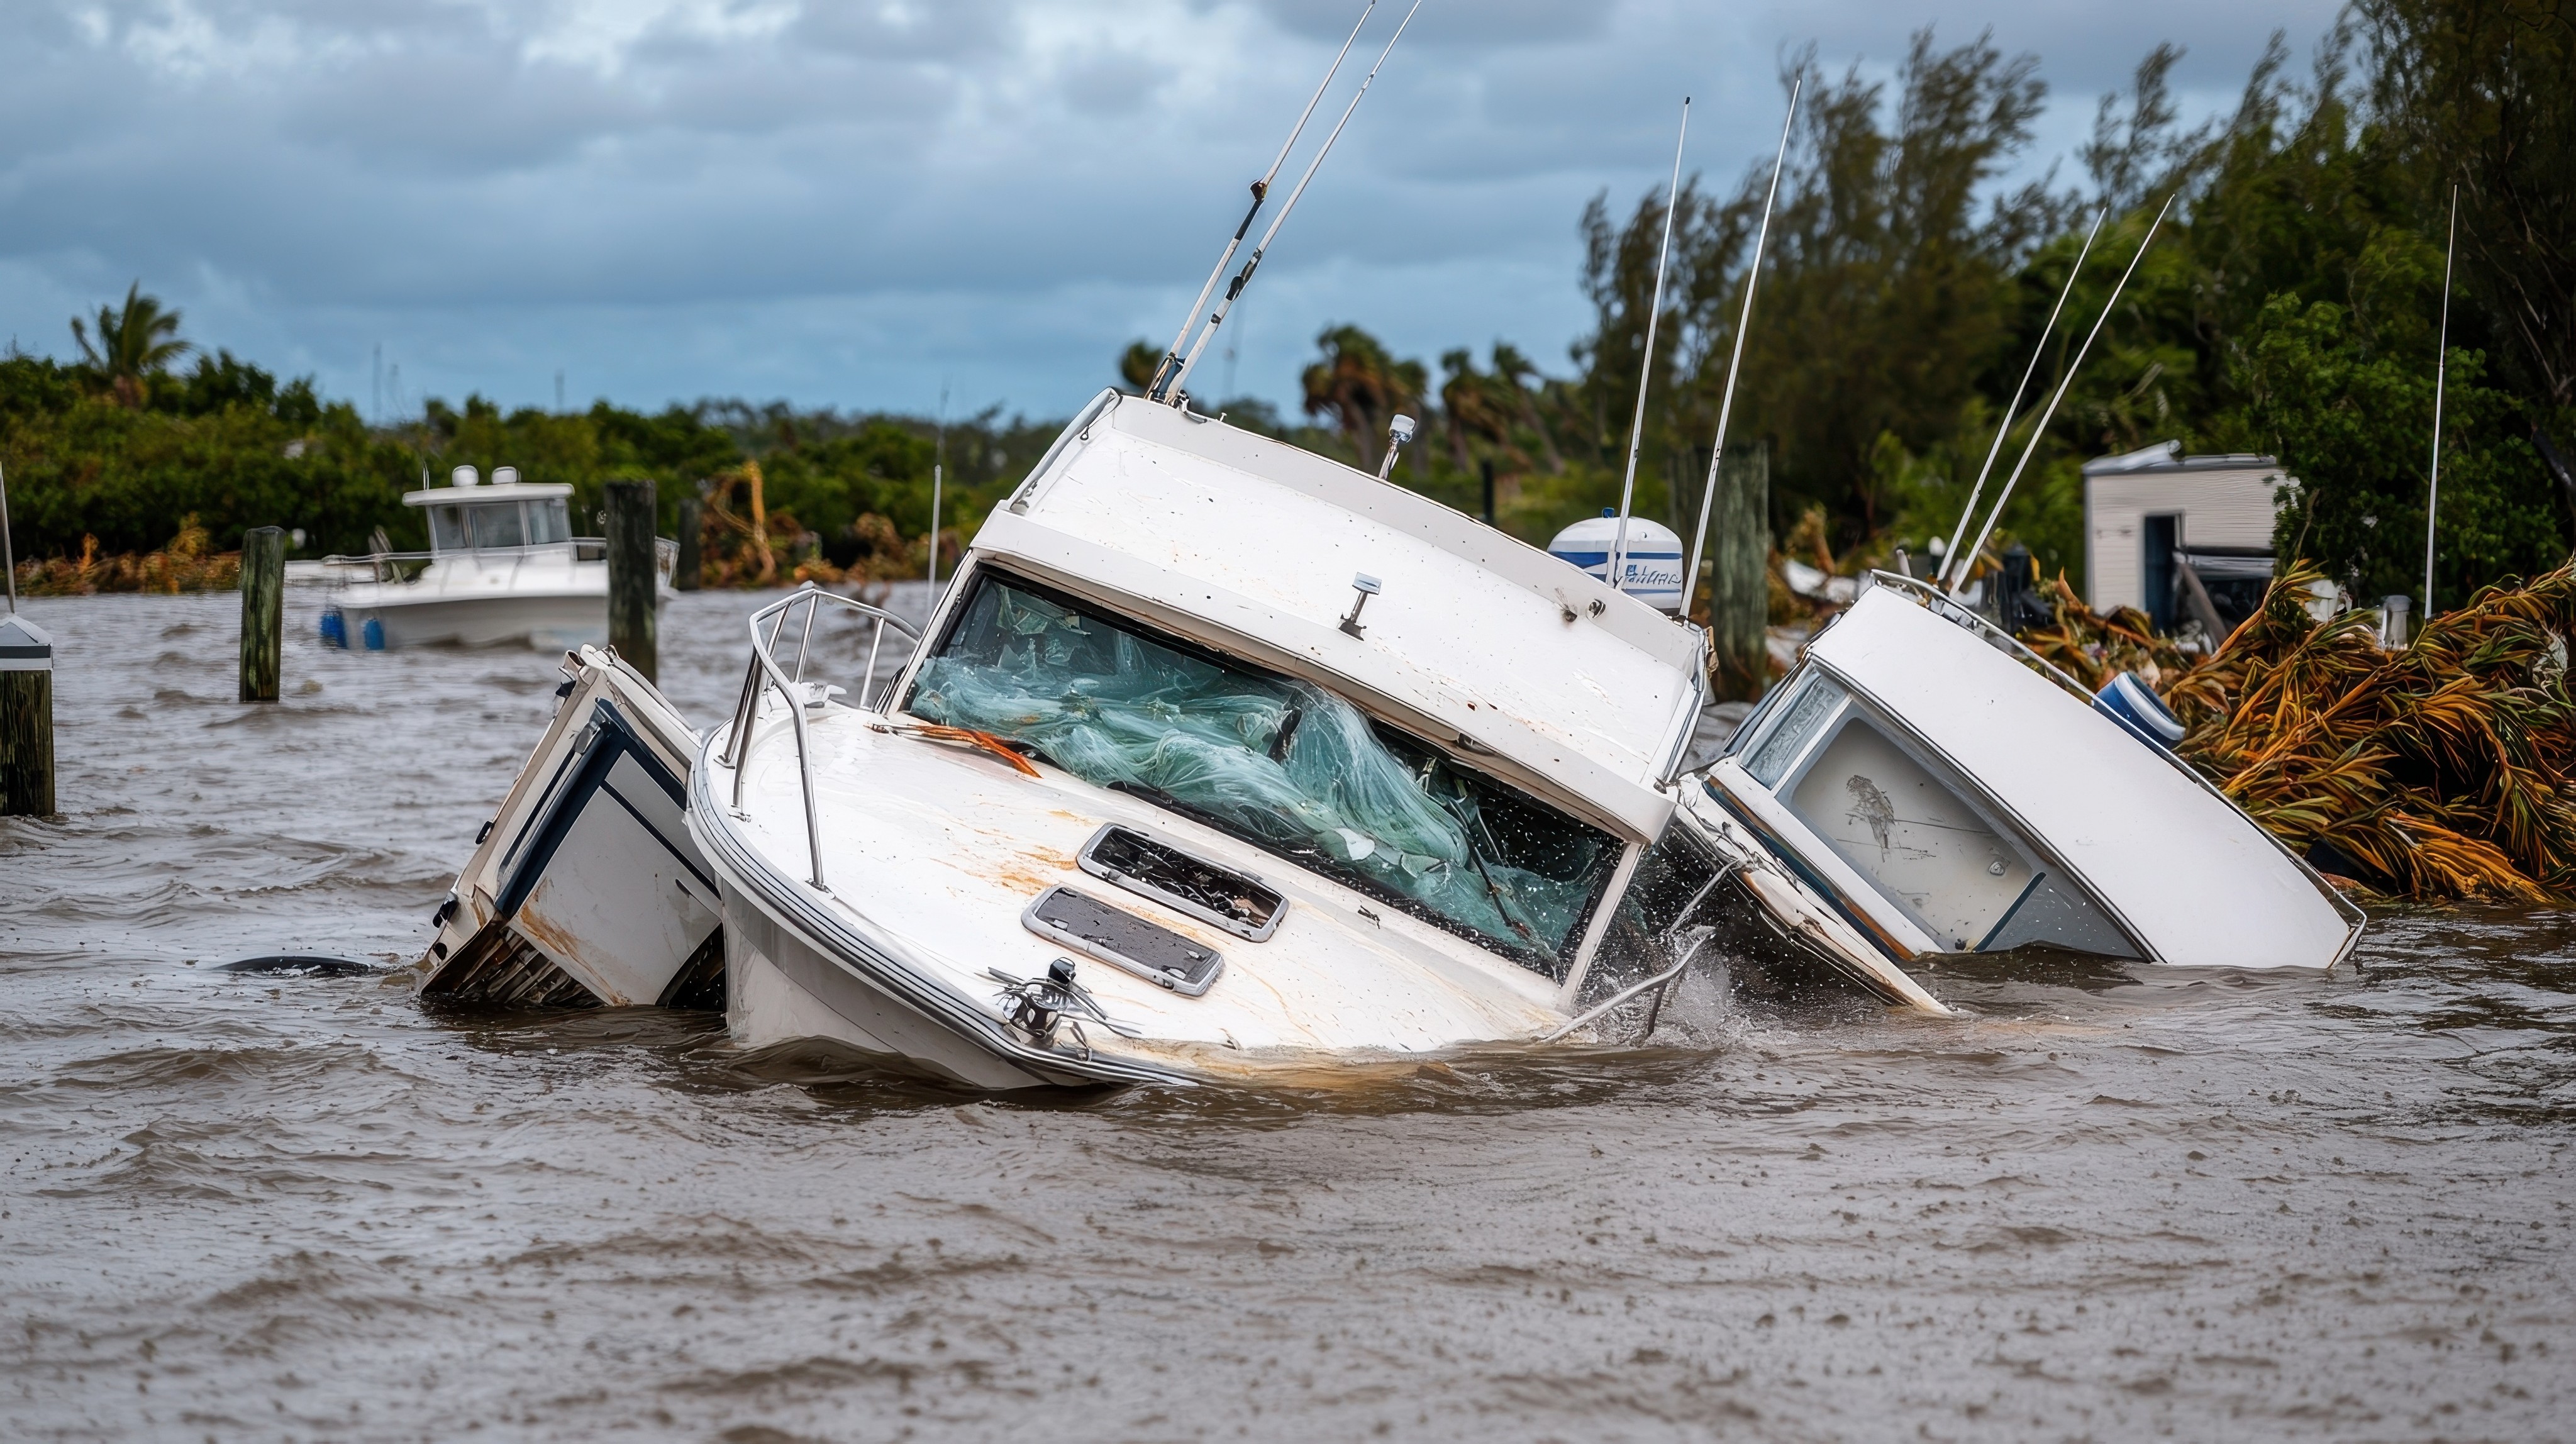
x=1280, y=763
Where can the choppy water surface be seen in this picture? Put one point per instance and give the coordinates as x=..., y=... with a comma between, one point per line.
x=248, y=1207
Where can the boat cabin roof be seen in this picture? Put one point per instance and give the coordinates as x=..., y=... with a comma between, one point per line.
x=468, y=495
x=1520, y=664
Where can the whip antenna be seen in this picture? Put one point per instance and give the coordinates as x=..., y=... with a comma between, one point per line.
x=1617, y=570
x=1948, y=558
x=1726, y=405
x=2441, y=373
x=2041, y=430
x=1260, y=192
x=1243, y=277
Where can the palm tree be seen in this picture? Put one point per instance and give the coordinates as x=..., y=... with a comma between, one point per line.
x=134, y=344
x=1362, y=388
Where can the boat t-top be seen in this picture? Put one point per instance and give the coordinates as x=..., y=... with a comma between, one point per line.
x=503, y=566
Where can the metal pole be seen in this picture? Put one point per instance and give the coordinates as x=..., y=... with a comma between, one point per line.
x=1260, y=192
x=1968, y=513
x=2441, y=374
x=1243, y=277
x=1616, y=573
x=1726, y=405
x=2041, y=430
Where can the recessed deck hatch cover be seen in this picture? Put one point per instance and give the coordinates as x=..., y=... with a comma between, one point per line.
x=1220, y=896
x=1123, y=940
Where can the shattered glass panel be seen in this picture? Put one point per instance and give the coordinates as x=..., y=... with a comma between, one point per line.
x=1807, y=712
x=1669, y=904
x=1281, y=763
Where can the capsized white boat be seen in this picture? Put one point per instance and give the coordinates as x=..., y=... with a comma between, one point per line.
x=585, y=889
x=502, y=566
x=1925, y=785
x=1220, y=758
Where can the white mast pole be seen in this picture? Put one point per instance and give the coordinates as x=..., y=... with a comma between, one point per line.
x=1726, y=405
x=2441, y=374
x=2041, y=430
x=1968, y=513
x=1615, y=574
x=1243, y=277
x=1260, y=192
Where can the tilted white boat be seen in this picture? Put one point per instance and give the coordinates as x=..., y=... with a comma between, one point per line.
x=502, y=566
x=1226, y=761
x=1927, y=786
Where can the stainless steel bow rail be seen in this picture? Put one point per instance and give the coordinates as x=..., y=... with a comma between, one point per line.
x=766, y=672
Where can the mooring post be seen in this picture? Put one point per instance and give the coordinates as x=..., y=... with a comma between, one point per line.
x=263, y=617
x=1739, y=604
x=631, y=582
x=684, y=577
x=1489, y=490
x=26, y=719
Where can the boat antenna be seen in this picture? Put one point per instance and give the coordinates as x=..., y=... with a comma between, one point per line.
x=1617, y=571
x=1726, y=404
x=2005, y=428
x=2441, y=370
x=1242, y=278
x=2039, y=431
x=1260, y=191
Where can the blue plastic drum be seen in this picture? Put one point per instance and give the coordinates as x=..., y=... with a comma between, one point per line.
x=374, y=634
x=335, y=630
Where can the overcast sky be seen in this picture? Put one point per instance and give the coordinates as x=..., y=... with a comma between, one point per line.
x=849, y=204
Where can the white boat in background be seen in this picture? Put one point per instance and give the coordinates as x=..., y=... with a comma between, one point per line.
x=502, y=567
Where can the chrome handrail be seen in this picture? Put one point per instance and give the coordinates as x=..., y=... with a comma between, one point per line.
x=1942, y=604
x=766, y=671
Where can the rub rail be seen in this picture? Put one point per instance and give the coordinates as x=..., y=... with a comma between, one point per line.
x=766, y=672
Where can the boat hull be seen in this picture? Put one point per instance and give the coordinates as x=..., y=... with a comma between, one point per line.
x=563, y=621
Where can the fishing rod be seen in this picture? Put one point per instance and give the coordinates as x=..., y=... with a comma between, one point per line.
x=2441, y=373
x=1949, y=557
x=1243, y=277
x=1616, y=571
x=1726, y=405
x=2041, y=430
x=1260, y=191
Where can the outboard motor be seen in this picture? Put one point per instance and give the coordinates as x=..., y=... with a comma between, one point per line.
x=1653, y=563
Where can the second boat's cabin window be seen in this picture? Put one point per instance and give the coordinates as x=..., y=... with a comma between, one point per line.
x=1921, y=835
x=486, y=525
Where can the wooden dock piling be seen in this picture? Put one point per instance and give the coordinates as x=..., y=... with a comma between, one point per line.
x=1740, y=581
x=26, y=719
x=632, y=585
x=684, y=578
x=263, y=614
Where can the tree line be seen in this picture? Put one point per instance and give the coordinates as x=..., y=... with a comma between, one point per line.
x=2290, y=307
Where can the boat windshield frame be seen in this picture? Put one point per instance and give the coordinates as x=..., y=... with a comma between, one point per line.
x=1403, y=745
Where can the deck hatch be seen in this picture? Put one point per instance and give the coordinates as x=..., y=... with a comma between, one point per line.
x=1123, y=940
x=1219, y=896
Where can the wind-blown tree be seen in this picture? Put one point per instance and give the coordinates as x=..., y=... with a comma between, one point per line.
x=136, y=342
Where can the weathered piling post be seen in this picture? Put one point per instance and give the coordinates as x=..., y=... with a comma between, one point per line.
x=26, y=719
x=684, y=577
x=1489, y=490
x=1739, y=604
x=263, y=614
x=631, y=582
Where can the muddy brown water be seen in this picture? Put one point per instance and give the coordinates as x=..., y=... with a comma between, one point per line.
x=2106, y=1207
